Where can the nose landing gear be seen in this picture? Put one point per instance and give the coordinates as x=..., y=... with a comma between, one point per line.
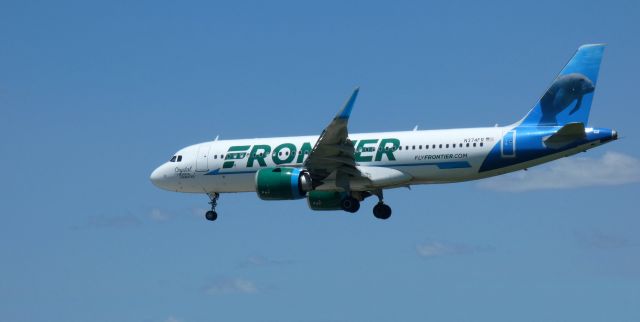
x=212, y=215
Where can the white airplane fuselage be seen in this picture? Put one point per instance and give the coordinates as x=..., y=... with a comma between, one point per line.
x=424, y=157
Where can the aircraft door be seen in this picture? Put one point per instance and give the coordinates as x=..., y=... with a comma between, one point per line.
x=201, y=160
x=508, y=144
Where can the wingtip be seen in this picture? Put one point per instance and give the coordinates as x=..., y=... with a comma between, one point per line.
x=348, y=106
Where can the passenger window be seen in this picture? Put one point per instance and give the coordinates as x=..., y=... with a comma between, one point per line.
x=440, y=146
x=215, y=156
x=454, y=145
x=413, y=147
x=401, y=148
x=222, y=156
x=481, y=144
x=426, y=147
x=474, y=145
x=447, y=146
x=467, y=145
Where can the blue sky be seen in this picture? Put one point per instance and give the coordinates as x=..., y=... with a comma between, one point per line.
x=95, y=95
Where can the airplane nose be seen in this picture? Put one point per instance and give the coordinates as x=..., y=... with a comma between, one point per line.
x=156, y=177
x=614, y=134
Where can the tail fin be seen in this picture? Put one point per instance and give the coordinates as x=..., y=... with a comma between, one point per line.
x=569, y=97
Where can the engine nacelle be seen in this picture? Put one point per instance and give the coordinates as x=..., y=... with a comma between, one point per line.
x=325, y=200
x=282, y=183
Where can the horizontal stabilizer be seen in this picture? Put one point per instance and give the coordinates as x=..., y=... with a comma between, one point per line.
x=566, y=135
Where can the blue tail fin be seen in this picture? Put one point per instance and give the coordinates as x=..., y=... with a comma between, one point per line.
x=569, y=97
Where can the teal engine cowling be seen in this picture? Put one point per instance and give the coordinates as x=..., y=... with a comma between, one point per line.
x=325, y=200
x=282, y=183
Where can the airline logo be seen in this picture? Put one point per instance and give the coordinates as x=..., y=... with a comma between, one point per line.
x=287, y=153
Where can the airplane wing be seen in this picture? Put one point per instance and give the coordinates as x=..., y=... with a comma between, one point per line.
x=333, y=154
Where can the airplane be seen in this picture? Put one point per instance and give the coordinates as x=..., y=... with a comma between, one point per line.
x=337, y=170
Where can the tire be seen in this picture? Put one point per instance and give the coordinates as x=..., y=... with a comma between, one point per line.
x=211, y=215
x=382, y=211
x=350, y=204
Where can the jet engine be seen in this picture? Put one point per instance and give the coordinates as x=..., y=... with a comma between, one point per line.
x=282, y=183
x=325, y=200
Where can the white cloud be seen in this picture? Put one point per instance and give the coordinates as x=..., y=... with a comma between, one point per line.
x=173, y=319
x=612, y=168
x=159, y=215
x=199, y=212
x=234, y=285
x=439, y=248
x=261, y=261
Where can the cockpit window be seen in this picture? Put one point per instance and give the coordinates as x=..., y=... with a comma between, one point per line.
x=173, y=159
x=179, y=158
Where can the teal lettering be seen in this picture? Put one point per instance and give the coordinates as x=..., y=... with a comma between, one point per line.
x=278, y=154
x=305, y=149
x=363, y=147
x=387, y=147
x=258, y=153
x=235, y=156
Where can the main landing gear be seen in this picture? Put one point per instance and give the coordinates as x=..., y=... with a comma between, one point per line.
x=352, y=205
x=212, y=214
x=381, y=210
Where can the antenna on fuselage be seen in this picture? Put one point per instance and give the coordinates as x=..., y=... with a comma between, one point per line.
x=415, y=128
x=217, y=136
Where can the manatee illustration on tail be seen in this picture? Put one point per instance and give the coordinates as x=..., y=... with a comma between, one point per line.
x=564, y=91
x=573, y=88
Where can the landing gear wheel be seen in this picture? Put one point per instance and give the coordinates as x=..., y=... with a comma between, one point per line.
x=211, y=215
x=350, y=204
x=382, y=211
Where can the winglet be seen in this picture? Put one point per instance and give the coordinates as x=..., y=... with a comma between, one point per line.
x=348, y=106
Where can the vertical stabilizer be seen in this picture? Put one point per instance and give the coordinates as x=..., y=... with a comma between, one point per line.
x=568, y=99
